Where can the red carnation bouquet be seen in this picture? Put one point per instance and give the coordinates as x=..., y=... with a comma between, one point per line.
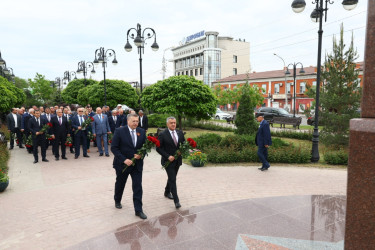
x=29, y=142
x=69, y=142
x=45, y=128
x=145, y=149
x=49, y=137
x=110, y=136
x=183, y=150
x=85, y=124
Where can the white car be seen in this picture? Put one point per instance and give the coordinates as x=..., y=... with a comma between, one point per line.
x=220, y=115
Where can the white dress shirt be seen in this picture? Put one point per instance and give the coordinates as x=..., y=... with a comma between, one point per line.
x=15, y=120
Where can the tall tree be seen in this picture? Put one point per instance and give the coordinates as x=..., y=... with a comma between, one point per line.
x=7, y=97
x=180, y=95
x=245, y=120
x=341, y=93
x=42, y=89
x=70, y=93
x=20, y=83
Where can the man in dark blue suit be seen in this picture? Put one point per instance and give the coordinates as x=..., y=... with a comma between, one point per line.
x=114, y=121
x=126, y=142
x=263, y=141
x=81, y=136
x=39, y=138
x=60, y=130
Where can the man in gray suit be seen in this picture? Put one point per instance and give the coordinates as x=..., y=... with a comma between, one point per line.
x=100, y=129
x=14, y=127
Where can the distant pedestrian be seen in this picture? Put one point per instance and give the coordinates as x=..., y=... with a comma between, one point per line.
x=263, y=141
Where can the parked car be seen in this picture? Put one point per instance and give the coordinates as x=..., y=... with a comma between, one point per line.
x=220, y=115
x=269, y=113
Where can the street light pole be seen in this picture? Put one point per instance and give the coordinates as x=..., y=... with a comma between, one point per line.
x=139, y=41
x=286, y=84
x=102, y=56
x=302, y=71
x=317, y=15
x=68, y=75
x=82, y=68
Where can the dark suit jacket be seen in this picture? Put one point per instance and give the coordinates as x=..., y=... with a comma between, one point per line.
x=122, y=147
x=57, y=129
x=263, y=136
x=144, y=122
x=11, y=122
x=34, y=126
x=112, y=123
x=168, y=148
x=75, y=123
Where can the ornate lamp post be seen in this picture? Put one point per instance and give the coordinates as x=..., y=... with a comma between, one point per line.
x=317, y=16
x=82, y=68
x=102, y=56
x=68, y=75
x=301, y=71
x=139, y=41
x=286, y=84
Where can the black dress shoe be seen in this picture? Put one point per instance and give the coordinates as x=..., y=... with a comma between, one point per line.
x=45, y=160
x=260, y=168
x=107, y=155
x=264, y=169
x=76, y=157
x=178, y=205
x=22, y=147
x=72, y=151
x=35, y=161
x=57, y=159
x=141, y=215
x=87, y=156
x=10, y=148
x=168, y=195
x=64, y=158
x=118, y=205
x=101, y=154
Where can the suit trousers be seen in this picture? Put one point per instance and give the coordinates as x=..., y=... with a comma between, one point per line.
x=18, y=133
x=80, y=138
x=99, y=143
x=39, y=140
x=171, y=186
x=121, y=179
x=59, y=139
x=263, y=156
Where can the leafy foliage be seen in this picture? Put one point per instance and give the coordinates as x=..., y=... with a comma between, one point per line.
x=42, y=89
x=336, y=157
x=70, y=93
x=180, y=95
x=341, y=94
x=245, y=120
x=10, y=95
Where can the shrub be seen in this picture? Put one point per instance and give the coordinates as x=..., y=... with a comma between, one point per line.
x=336, y=157
x=212, y=127
x=158, y=120
x=238, y=141
x=206, y=140
x=293, y=135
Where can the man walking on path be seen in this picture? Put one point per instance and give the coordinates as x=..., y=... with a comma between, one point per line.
x=263, y=141
x=14, y=127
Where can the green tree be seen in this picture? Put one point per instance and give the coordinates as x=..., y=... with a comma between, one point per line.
x=7, y=98
x=180, y=95
x=227, y=96
x=70, y=93
x=118, y=91
x=20, y=83
x=42, y=89
x=245, y=121
x=341, y=94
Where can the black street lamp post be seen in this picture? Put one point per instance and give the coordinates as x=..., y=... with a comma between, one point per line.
x=5, y=71
x=139, y=41
x=102, y=56
x=317, y=16
x=83, y=67
x=68, y=75
x=301, y=71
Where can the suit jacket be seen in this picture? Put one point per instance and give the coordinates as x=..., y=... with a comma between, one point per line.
x=45, y=117
x=57, y=129
x=112, y=124
x=144, y=122
x=121, y=118
x=11, y=122
x=76, y=124
x=35, y=127
x=100, y=127
x=168, y=148
x=263, y=136
x=122, y=147
x=24, y=120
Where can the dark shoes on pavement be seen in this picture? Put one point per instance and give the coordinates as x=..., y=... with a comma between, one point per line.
x=87, y=156
x=141, y=215
x=35, y=161
x=168, y=195
x=263, y=169
x=107, y=155
x=178, y=205
x=118, y=205
x=101, y=154
x=45, y=160
x=64, y=158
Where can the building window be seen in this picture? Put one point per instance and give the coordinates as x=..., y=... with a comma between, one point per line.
x=277, y=88
x=314, y=83
x=302, y=87
x=196, y=72
x=234, y=71
x=234, y=59
x=191, y=72
x=187, y=72
x=264, y=89
x=201, y=71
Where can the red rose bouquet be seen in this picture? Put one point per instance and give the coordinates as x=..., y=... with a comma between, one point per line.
x=29, y=142
x=90, y=136
x=183, y=150
x=45, y=128
x=49, y=137
x=85, y=124
x=69, y=142
x=145, y=149
x=110, y=136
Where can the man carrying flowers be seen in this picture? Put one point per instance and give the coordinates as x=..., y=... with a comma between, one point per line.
x=80, y=123
x=38, y=127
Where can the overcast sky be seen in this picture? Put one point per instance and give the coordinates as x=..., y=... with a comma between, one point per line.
x=50, y=36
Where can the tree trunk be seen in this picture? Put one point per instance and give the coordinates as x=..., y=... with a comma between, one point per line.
x=180, y=122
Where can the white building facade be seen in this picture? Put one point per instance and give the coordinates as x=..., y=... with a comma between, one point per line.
x=208, y=57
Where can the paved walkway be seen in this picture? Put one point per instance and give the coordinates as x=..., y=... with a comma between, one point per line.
x=60, y=204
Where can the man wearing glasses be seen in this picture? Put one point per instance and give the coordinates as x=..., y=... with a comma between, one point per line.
x=80, y=137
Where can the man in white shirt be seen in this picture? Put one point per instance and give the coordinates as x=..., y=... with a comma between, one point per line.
x=14, y=127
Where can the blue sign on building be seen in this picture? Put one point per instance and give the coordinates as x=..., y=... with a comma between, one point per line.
x=196, y=35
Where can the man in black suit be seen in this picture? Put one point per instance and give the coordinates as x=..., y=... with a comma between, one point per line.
x=25, y=126
x=81, y=136
x=170, y=140
x=39, y=138
x=60, y=129
x=263, y=140
x=14, y=127
x=126, y=142
x=143, y=121
x=114, y=121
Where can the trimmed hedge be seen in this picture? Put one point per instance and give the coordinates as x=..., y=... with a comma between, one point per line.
x=212, y=127
x=336, y=157
x=294, y=135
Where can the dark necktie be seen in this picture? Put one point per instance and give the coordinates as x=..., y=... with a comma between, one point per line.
x=174, y=138
x=37, y=120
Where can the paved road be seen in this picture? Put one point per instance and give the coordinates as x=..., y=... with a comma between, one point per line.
x=62, y=203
